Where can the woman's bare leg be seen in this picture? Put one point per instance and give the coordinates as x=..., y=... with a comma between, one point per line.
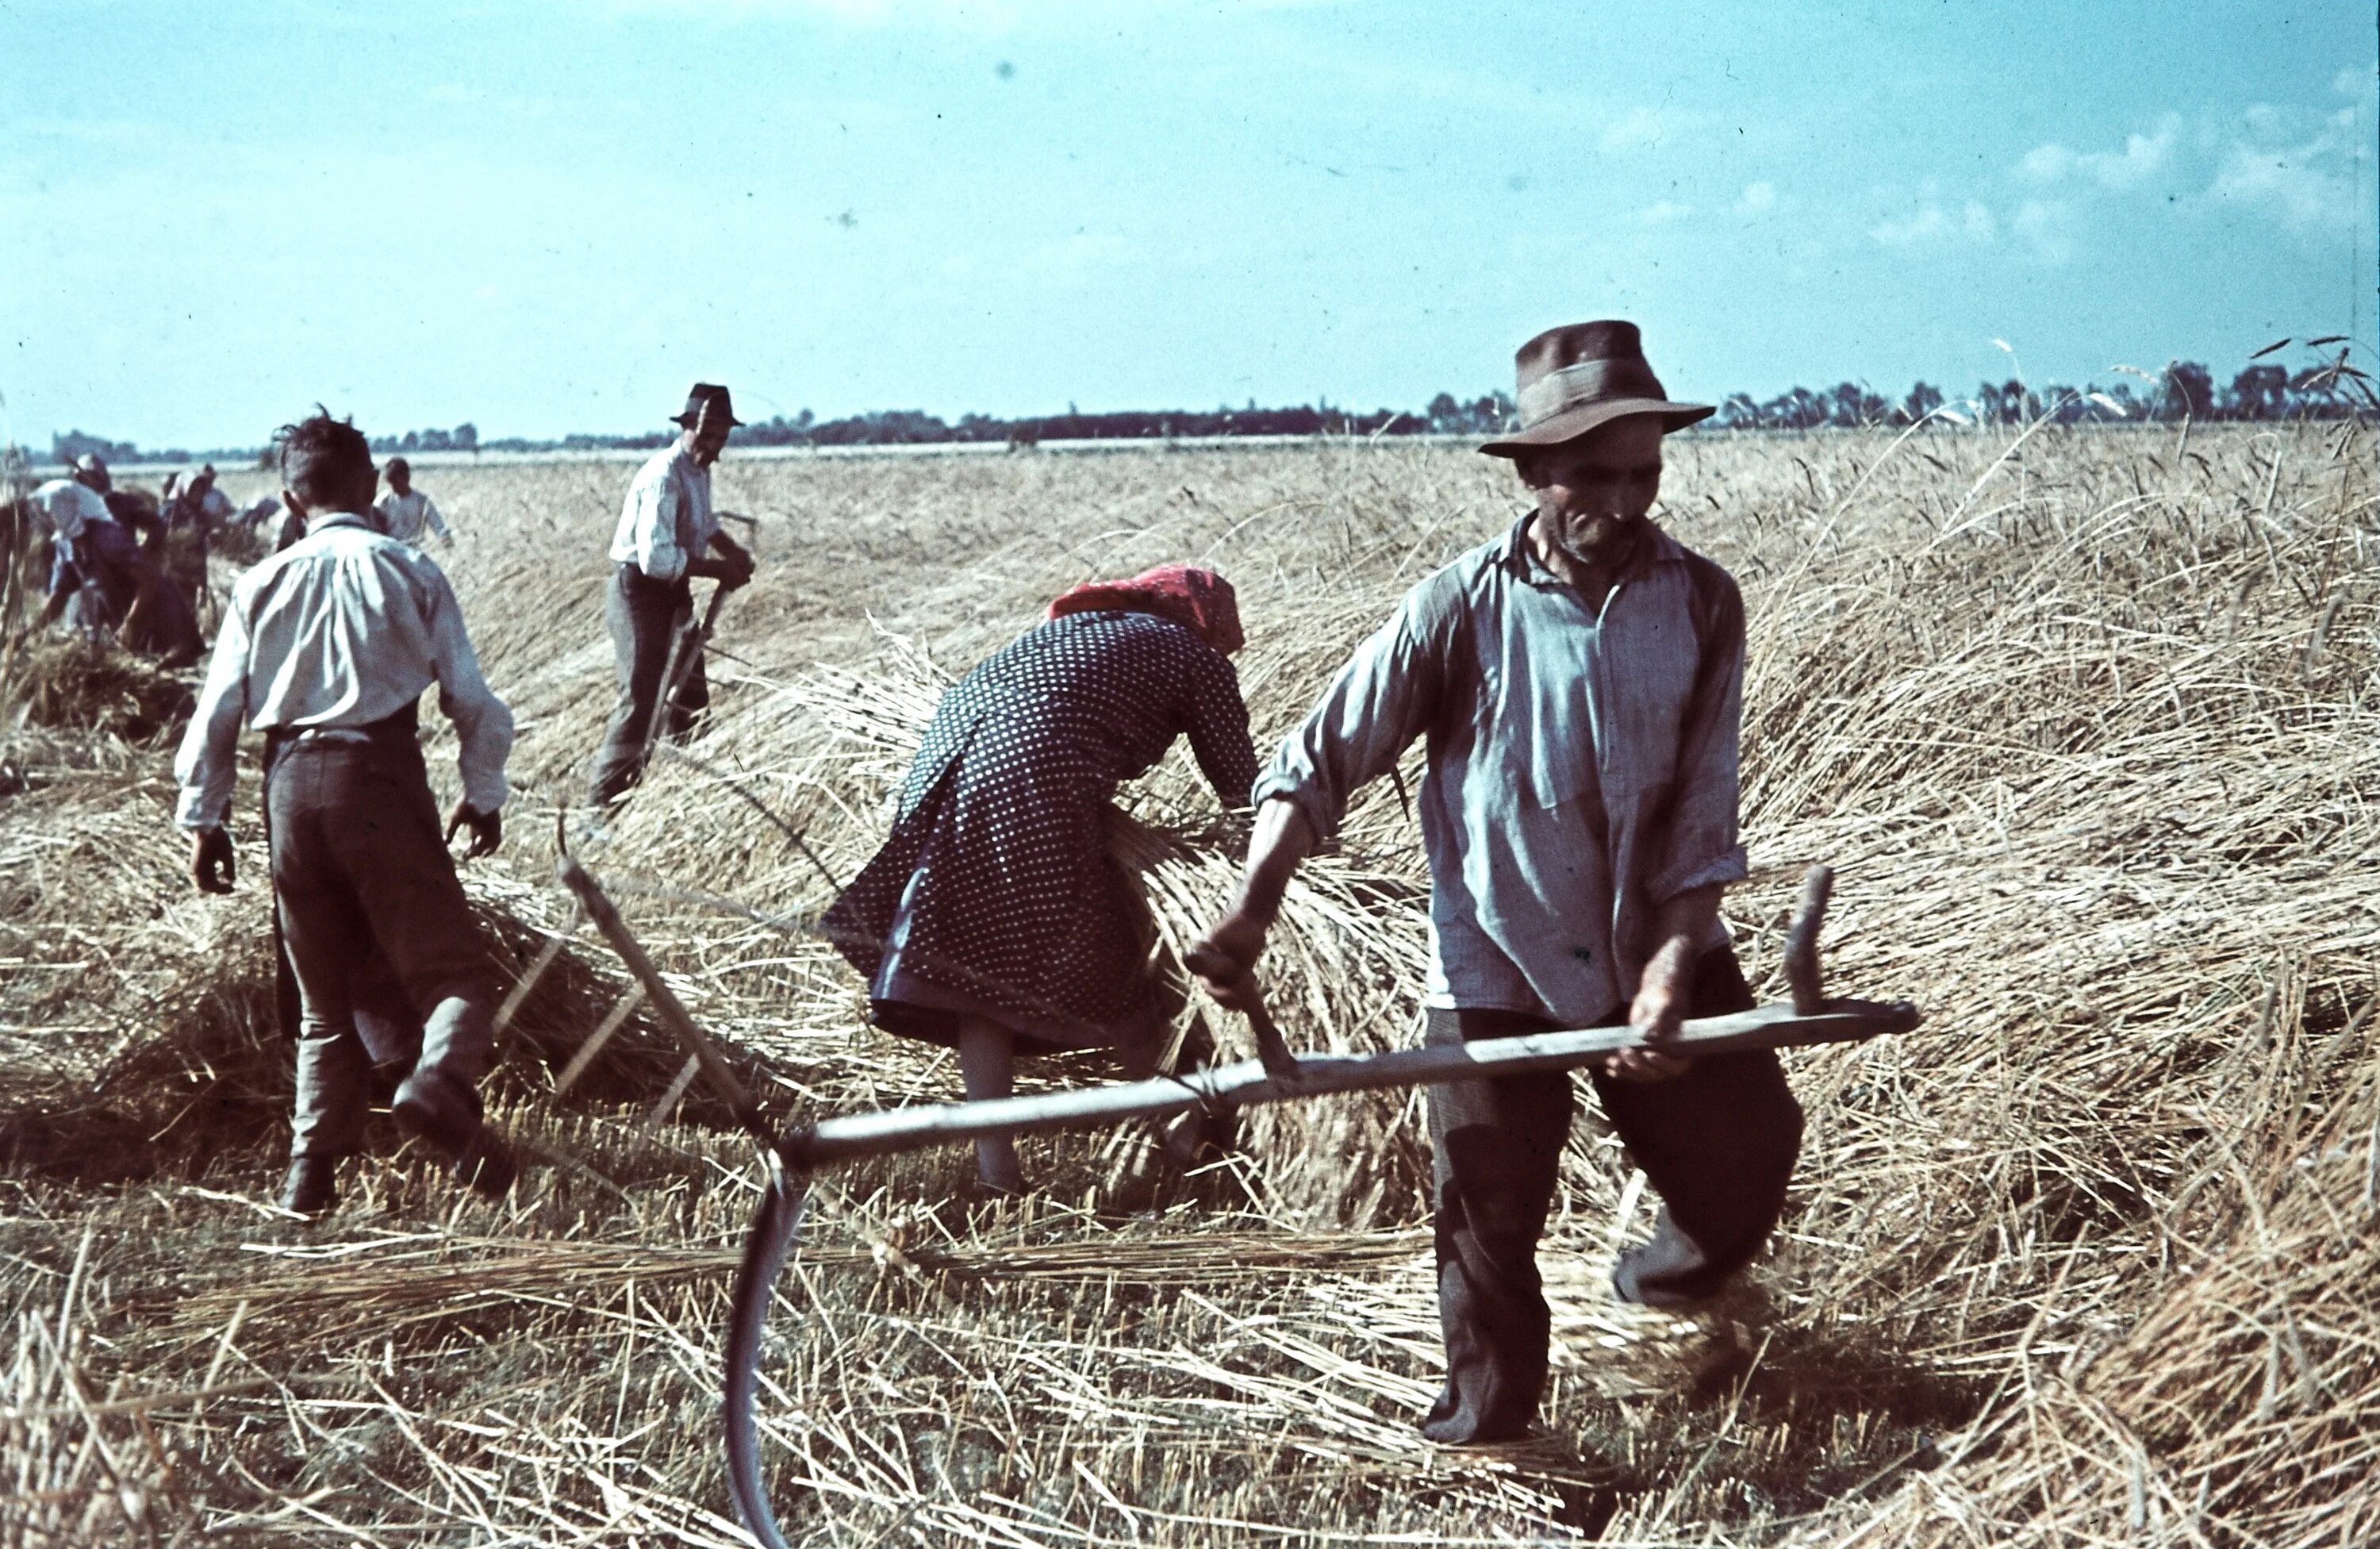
x=988, y=1067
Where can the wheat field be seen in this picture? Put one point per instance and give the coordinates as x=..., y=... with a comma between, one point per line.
x=2084, y=719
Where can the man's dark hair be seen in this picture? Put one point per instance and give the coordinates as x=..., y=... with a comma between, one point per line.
x=327, y=462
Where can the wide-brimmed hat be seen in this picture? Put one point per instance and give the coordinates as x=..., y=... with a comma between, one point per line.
x=1573, y=378
x=705, y=392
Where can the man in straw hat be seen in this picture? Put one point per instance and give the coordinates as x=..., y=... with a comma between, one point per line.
x=668, y=535
x=326, y=648
x=1579, y=681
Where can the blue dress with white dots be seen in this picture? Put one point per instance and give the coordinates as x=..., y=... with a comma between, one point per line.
x=995, y=894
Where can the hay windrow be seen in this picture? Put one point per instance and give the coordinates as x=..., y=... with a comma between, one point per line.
x=71, y=683
x=2086, y=725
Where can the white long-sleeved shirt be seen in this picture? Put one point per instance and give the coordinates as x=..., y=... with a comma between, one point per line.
x=665, y=521
x=342, y=629
x=70, y=506
x=405, y=516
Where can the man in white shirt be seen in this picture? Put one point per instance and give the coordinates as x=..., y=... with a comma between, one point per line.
x=326, y=648
x=97, y=566
x=405, y=512
x=668, y=534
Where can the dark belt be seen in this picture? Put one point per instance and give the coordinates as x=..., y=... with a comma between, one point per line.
x=399, y=730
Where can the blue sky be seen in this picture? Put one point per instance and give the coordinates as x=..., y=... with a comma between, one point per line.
x=547, y=217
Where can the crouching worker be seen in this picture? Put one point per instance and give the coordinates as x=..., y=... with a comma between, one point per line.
x=995, y=919
x=326, y=648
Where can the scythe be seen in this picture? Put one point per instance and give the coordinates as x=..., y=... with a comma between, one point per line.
x=791, y=1156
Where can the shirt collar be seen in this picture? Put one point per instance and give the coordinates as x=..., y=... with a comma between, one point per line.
x=1516, y=555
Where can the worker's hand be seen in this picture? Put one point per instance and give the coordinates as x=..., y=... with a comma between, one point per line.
x=1225, y=959
x=736, y=564
x=728, y=562
x=211, y=866
x=1659, y=1006
x=487, y=829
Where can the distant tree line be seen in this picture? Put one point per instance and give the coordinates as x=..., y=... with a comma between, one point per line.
x=2329, y=389
x=464, y=438
x=2264, y=389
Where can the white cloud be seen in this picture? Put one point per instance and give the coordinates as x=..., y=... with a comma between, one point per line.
x=1638, y=130
x=1757, y=199
x=2304, y=170
x=1931, y=225
x=2141, y=157
x=2292, y=184
x=1667, y=212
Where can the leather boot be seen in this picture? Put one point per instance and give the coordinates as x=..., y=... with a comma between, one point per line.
x=313, y=1185
x=432, y=1105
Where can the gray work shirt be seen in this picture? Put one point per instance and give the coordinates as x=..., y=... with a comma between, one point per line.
x=1582, y=767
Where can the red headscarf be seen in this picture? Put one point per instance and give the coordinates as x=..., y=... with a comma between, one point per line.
x=1198, y=600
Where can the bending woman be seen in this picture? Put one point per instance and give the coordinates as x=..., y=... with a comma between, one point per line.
x=994, y=919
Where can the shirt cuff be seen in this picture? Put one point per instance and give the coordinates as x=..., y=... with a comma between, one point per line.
x=486, y=793
x=1320, y=812
x=195, y=811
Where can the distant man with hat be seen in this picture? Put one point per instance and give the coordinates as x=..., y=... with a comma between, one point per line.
x=1579, y=682
x=668, y=535
x=326, y=648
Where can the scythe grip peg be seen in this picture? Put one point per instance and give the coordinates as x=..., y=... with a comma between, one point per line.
x=1801, y=941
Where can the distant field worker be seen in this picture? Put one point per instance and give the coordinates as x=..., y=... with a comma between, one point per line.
x=994, y=918
x=326, y=649
x=192, y=500
x=195, y=513
x=668, y=535
x=405, y=512
x=98, y=570
x=1579, y=683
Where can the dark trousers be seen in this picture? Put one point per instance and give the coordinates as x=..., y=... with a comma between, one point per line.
x=361, y=875
x=644, y=616
x=1718, y=1144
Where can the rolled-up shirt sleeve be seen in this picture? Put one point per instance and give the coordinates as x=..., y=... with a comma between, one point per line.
x=483, y=724
x=206, y=764
x=1702, y=846
x=1381, y=700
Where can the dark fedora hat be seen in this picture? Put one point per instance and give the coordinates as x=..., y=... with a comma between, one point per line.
x=1574, y=378
x=707, y=392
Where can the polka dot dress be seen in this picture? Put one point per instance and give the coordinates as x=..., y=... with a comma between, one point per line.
x=995, y=894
